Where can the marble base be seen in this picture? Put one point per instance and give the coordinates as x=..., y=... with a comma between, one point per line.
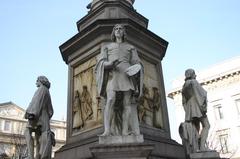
x=122, y=151
x=205, y=155
x=120, y=139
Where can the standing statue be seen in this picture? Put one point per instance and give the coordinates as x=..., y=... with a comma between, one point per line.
x=38, y=114
x=119, y=76
x=194, y=100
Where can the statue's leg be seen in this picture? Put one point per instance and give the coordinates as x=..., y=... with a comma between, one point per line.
x=204, y=133
x=37, y=137
x=126, y=112
x=108, y=112
x=30, y=143
x=134, y=123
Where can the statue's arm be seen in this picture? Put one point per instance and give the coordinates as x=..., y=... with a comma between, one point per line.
x=200, y=95
x=50, y=107
x=106, y=63
x=134, y=58
x=184, y=102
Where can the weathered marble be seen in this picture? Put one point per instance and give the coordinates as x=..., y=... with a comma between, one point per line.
x=123, y=151
x=80, y=54
x=205, y=155
x=89, y=109
x=120, y=83
x=120, y=139
x=194, y=100
x=38, y=114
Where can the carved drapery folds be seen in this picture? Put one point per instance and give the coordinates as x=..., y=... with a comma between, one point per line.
x=87, y=105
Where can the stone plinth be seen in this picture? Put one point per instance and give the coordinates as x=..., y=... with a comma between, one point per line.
x=205, y=155
x=120, y=139
x=121, y=151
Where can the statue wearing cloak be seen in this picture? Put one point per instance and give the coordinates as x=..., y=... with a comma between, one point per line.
x=119, y=77
x=194, y=100
x=39, y=113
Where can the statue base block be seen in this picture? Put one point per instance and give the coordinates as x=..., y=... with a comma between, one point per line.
x=123, y=151
x=120, y=139
x=205, y=155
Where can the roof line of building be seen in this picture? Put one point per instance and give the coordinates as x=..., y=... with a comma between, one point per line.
x=11, y=103
x=205, y=81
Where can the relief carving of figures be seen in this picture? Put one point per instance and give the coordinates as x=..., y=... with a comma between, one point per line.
x=119, y=76
x=86, y=104
x=99, y=109
x=77, y=112
x=82, y=109
x=149, y=110
x=194, y=100
x=145, y=111
x=157, y=110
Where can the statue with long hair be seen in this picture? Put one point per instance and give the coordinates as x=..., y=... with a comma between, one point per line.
x=119, y=76
x=38, y=114
x=194, y=100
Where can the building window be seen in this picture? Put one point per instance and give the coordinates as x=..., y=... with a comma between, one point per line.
x=7, y=125
x=237, y=101
x=218, y=111
x=223, y=139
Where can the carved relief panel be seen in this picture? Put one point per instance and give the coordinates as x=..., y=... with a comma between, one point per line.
x=87, y=105
x=150, y=109
x=86, y=111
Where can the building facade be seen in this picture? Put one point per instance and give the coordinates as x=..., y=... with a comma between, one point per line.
x=12, y=126
x=222, y=82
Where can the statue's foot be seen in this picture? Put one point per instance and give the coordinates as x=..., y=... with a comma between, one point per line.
x=205, y=149
x=125, y=133
x=105, y=134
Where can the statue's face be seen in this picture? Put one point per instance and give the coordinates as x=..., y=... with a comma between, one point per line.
x=119, y=31
x=38, y=83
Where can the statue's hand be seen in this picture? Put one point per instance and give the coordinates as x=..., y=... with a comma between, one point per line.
x=116, y=62
x=31, y=117
x=111, y=64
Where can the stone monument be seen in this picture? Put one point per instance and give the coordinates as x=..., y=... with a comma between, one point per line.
x=119, y=75
x=38, y=114
x=116, y=97
x=194, y=100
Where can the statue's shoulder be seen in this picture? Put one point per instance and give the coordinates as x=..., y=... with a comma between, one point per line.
x=192, y=83
x=109, y=46
x=128, y=46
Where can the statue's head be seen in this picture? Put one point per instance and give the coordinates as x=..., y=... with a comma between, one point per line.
x=44, y=81
x=76, y=94
x=118, y=30
x=190, y=74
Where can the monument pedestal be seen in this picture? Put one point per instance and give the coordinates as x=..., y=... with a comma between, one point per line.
x=120, y=139
x=205, y=155
x=80, y=54
x=123, y=151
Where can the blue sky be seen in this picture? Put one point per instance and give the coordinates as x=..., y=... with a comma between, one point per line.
x=200, y=33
